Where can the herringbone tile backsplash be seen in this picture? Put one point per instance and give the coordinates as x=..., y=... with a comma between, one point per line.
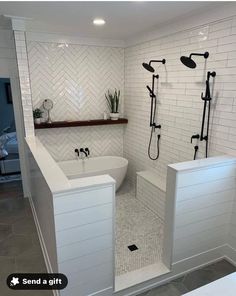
x=101, y=140
x=75, y=78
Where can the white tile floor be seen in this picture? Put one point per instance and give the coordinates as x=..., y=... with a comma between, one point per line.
x=137, y=225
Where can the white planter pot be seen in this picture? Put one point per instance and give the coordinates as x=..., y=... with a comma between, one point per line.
x=114, y=116
x=37, y=120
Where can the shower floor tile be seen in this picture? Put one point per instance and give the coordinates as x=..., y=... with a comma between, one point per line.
x=136, y=225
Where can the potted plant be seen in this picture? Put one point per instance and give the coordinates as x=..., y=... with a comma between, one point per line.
x=37, y=113
x=113, y=101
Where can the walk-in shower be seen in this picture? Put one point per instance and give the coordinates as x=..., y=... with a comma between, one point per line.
x=153, y=97
x=188, y=62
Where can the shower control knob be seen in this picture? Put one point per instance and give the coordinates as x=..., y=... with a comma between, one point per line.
x=77, y=151
x=87, y=150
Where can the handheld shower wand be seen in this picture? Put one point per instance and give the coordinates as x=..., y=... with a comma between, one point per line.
x=207, y=104
x=188, y=62
x=153, y=97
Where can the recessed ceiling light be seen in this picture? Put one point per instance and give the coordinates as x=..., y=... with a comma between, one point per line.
x=99, y=22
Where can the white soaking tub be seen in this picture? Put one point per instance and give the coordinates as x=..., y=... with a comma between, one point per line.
x=114, y=166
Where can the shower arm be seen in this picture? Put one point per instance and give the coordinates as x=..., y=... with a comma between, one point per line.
x=163, y=61
x=205, y=55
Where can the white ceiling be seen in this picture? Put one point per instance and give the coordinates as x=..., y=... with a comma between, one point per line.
x=123, y=19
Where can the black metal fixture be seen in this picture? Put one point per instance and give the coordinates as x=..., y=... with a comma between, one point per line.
x=84, y=151
x=196, y=136
x=207, y=105
x=153, y=97
x=206, y=112
x=189, y=62
x=148, y=66
x=77, y=151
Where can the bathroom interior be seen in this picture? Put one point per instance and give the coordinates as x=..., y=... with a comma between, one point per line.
x=9, y=155
x=127, y=131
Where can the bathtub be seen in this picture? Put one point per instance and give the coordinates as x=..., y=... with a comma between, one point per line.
x=114, y=166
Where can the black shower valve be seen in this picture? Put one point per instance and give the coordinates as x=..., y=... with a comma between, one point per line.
x=212, y=74
x=156, y=125
x=205, y=138
x=204, y=98
x=195, y=137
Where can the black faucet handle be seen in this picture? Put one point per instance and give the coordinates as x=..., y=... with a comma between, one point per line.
x=195, y=137
x=87, y=150
x=77, y=151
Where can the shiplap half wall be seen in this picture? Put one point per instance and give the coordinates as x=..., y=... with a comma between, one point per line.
x=232, y=232
x=84, y=234
x=76, y=78
x=204, y=201
x=179, y=96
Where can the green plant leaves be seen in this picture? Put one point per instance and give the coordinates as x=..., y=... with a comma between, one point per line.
x=113, y=100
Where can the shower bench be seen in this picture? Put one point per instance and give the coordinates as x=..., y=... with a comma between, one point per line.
x=151, y=191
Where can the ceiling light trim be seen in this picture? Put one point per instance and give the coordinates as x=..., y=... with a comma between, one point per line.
x=99, y=22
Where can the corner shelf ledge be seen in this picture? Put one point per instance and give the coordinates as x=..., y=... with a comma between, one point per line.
x=60, y=124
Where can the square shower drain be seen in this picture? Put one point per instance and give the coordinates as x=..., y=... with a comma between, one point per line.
x=132, y=248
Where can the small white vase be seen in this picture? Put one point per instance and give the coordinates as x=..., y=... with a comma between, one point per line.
x=114, y=116
x=37, y=120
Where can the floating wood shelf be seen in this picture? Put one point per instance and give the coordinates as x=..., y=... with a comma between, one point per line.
x=58, y=124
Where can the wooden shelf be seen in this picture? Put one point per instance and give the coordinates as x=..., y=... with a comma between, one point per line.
x=59, y=124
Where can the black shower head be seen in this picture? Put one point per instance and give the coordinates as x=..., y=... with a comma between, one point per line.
x=148, y=67
x=189, y=62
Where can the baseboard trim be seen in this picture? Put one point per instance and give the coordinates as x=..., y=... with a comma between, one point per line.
x=42, y=243
x=104, y=292
x=230, y=254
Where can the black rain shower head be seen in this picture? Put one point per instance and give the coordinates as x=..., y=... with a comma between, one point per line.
x=148, y=66
x=189, y=62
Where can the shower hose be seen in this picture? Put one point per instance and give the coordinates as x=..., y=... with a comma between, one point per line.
x=150, y=142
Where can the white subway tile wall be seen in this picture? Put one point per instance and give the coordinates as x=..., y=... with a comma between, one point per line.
x=75, y=78
x=179, y=96
x=151, y=196
x=22, y=62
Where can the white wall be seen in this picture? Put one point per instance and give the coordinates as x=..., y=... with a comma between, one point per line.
x=25, y=89
x=84, y=234
x=76, y=77
x=75, y=222
x=41, y=200
x=204, y=202
x=180, y=105
x=7, y=53
x=150, y=192
x=101, y=140
x=232, y=233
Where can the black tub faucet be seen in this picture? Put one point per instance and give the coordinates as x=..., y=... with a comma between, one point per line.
x=77, y=152
x=85, y=151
